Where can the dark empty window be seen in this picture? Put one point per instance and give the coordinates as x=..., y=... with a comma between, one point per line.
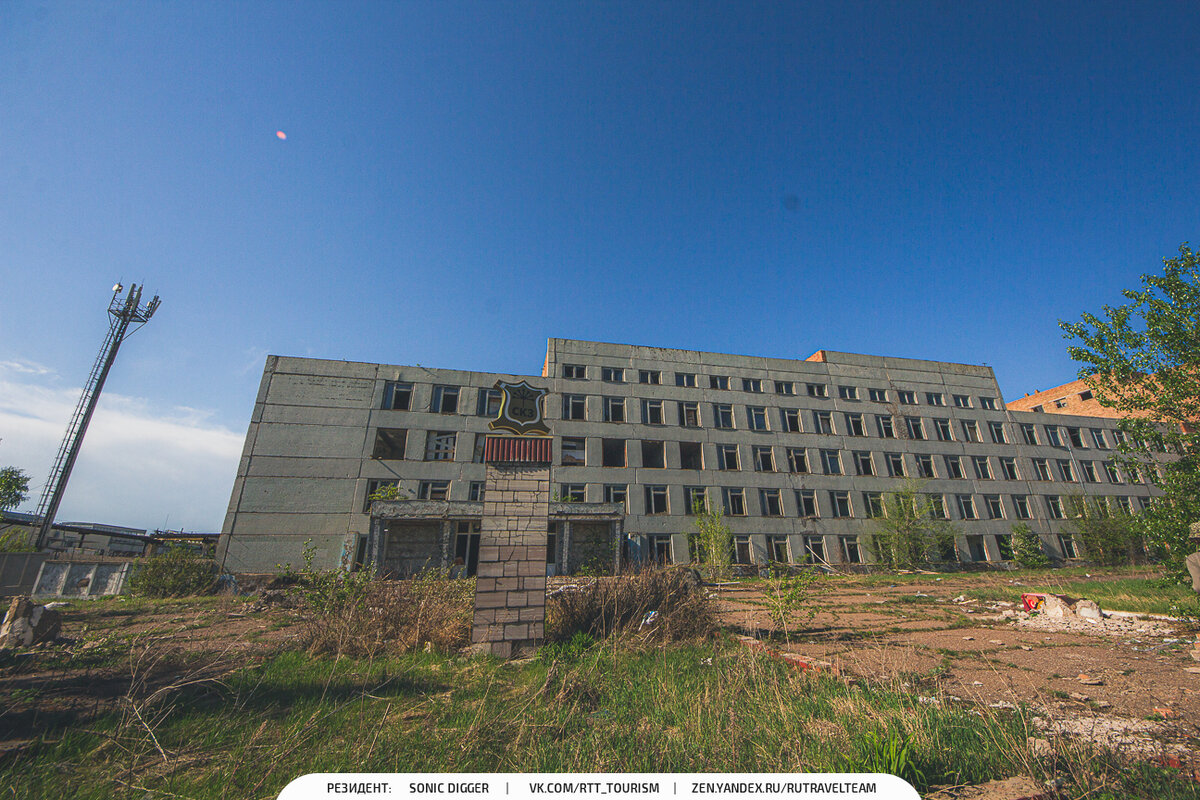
x=653, y=455
x=612, y=452
x=690, y=455
x=389, y=444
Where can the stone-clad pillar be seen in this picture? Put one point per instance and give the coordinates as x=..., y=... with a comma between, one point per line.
x=510, y=594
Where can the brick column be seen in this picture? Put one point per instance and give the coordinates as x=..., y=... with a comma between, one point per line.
x=510, y=594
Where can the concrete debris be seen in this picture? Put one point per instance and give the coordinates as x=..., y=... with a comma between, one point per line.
x=27, y=624
x=1088, y=680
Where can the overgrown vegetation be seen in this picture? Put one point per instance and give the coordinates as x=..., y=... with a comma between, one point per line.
x=711, y=543
x=912, y=530
x=651, y=606
x=787, y=593
x=175, y=572
x=1143, y=359
x=1110, y=537
x=354, y=614
x=223, y=729
x=1027, y=547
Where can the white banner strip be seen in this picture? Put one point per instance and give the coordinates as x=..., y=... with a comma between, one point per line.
x=645, y=786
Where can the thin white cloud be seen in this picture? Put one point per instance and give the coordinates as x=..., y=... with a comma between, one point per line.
x=25, y=367
x=140, y=466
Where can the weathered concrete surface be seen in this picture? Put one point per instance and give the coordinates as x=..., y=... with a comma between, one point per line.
x=28, y=623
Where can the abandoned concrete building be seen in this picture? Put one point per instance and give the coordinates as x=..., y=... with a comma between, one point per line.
x=798, y=453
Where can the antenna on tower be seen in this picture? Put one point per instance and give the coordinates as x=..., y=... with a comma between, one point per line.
x=122, y=312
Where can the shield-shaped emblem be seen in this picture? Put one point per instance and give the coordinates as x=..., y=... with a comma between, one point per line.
x=521, y=410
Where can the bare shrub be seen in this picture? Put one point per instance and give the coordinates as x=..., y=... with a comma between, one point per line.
x=429, y=612
x=653, y=605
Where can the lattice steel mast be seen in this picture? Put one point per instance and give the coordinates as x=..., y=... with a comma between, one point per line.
x=122, y=312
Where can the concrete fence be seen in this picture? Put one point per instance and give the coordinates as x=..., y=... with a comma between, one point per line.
x=19, y=571
x=83, y=577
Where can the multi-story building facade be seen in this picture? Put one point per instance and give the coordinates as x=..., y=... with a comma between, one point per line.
x=799, y=453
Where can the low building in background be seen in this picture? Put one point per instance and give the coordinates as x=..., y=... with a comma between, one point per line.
x=798, y=453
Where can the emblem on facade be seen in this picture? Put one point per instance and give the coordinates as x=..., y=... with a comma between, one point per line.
x=521, y=410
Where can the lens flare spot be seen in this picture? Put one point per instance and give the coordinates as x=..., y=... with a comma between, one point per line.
x=280, y=135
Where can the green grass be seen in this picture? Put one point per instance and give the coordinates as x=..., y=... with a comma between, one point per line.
x=685, y=709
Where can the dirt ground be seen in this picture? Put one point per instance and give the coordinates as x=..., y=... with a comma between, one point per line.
x=1127, y=683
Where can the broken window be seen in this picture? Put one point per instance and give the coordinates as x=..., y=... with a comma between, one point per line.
x=777, y=546
x=612, y=374
x=488, y=404
x=994, y=507
x=741, y=550
x=937, y=506
x=935, y=398
x=877, y=395
x=988, y=403
x=863, y=463
x=695, y=500
x=685, y=379
x=770, y=502
x=656, y=500
x=1021, y=506
x=970, y=430
x=650, y=377
x=806, y=502
x=652, y=412
x=797, y=459
x=983, y=470
x=1098, y=439
x=925, y=466
x=433, y=490
x=616, y=493
x=1052, y=436
x=962, y=401
x=691, y=455
x=574, y=451
x=966, y=506
x=915, y=429
x=389, y=444
x=764, y=459
x=823, y=422
x=654, y=455
x=817, y=390
x=997, y=431
x=895, y=464
x=1029, y=433
x=851, y=553
x=571, y=492
x=445, y=400
x=757, y=416
x=848, y=392
x=1067, y=545
x=735, y=502
x=953, y=467
x=722, y=415
x=439, y=446
x=873, y=504
x=1041, y=468
x=574, y=406
x=854, y=425
x=727, y=456
x=1008, y=468
x=1075, y=437
x=1055, y=507
x=397, y=396
x=1111, y=470
x=1066, y=471
x=374, y=486
x=791, y=420
x=476, y=491
x=614, y=409
x=612, y=452
x=752, y=385
x=884, y=424
x=907, y=398
x=831, y=460
x=718, y=381
x=941, y=428
x=574, y=371
x=1089, y=471
x=785, y=387
x=689, y=415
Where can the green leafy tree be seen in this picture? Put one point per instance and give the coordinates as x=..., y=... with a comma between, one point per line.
x=1027, y=547
x=14, y=487
x=712, y=542
x=1109, y=536
x=1143, y=359
x=912, y=531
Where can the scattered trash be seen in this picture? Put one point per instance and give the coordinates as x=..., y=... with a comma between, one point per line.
x=968, y=638
x=1088, y=680
x=648, y=620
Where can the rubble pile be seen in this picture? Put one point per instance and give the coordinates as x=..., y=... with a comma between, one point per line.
x=1053, y=612
x=27, y=624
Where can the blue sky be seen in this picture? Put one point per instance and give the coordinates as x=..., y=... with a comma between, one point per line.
x=462, y=180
